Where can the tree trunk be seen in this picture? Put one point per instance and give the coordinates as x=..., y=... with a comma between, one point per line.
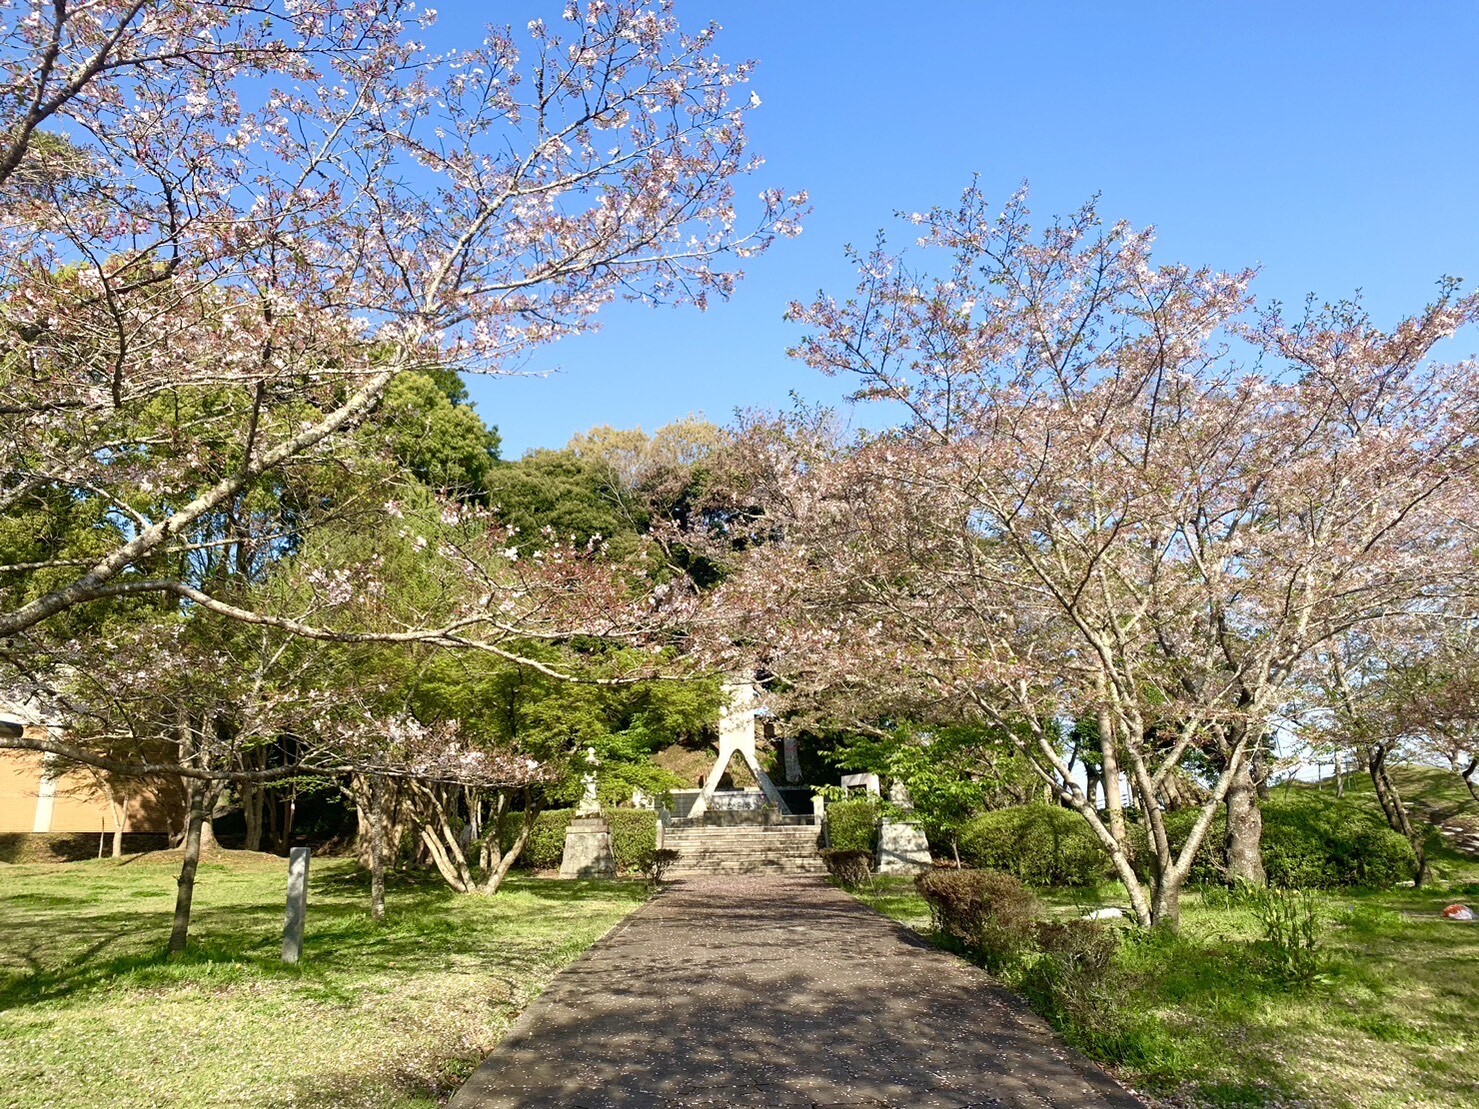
x=119, y=811
x=1244, y=828
x=1467, y=774
x=1396, y=812
x=194, y=826
x=377, y=852
x=1165, y=910
x=508, y=858
x=253, y=804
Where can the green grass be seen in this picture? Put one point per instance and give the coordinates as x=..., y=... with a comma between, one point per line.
x=1389, y=1023
x=393, y=1016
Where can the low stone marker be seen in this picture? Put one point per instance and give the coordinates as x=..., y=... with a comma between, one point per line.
x=292, y=931
x=588, y=851
x=902, y=848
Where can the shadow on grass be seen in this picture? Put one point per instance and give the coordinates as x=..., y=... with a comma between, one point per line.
x=74, y=953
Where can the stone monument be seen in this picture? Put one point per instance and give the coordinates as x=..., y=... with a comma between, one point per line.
x=588, y=851
x=902, y=847
x=737, y=737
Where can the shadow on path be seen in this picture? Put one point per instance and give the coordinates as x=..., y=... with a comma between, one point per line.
x=778, y=992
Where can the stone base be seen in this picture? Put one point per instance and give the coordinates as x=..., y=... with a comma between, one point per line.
x=902, y=849
x=588, y=849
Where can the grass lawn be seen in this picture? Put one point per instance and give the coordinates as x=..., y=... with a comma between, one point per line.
x=1389, y=1023
x=91, y=1014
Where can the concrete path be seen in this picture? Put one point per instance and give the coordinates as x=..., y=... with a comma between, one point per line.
x=778, y=992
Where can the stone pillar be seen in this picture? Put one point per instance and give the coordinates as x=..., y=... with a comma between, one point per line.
x=793, y=760
x=902, y=846
x=292, y=931
x=588, y=851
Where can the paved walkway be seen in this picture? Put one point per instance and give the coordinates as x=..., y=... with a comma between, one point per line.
x=778, y=992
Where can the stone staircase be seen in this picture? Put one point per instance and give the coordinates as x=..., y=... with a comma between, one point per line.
x=728, y=848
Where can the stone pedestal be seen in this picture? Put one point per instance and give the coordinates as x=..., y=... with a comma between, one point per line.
x=588, y=849
x=902, y=848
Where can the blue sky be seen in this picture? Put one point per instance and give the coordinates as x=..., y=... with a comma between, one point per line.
x=1334, y=145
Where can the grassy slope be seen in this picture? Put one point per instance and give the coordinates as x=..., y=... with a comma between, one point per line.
x=1389, y=1023
x=90, y=1014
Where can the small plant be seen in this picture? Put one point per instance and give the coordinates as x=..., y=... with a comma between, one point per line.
x=659, y=863
x=851, y=868
x=1072, y=980
x=1290, y=921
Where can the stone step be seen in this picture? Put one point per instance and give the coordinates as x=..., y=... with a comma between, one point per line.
x=778, y=836
x=777, y=841
x=735, y=866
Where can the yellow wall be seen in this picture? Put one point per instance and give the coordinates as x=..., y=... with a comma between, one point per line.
x=80, y=803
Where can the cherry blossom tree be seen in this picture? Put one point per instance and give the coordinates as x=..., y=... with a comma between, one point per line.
x=1114, y=489
x=228, y=228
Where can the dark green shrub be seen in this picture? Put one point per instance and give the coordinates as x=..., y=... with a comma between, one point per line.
x=663, y=860
x=546, y=842
x=1311, y=840
x=633, y=837
x=1081, y=945
x=1073, y=980
x=851, y=868
x=853, y=825
x=1043, y=845
x=991, y=913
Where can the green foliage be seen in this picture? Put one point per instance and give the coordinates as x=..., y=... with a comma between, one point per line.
x=559, y=492
x=851, y=868
x=1043, y=845
x=952, y=772
x=1074, y=983
x=432, y=431
x=1290, y=920
x=633, y=838
x=546, y=844
x=1311, y=840
x=663, y=860
x=552, y=719
x=853, y=825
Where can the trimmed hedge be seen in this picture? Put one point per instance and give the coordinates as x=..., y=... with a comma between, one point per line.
x=989, y=912
x=546, y=842
x=633, y=838
x=851, y=868
x=1043, y=845
x=853, y=825
x=1310, y=841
